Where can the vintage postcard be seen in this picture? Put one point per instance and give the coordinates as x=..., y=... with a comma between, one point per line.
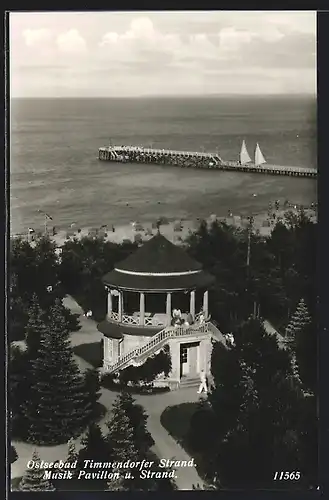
x=163, y=219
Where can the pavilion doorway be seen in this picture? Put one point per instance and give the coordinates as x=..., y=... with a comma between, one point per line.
x=189, y=359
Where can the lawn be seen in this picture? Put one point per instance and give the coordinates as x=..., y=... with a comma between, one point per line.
x=92, y=353
x=176, y=420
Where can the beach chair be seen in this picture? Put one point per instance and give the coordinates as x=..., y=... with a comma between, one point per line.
x=138, y=238
x=178, y=226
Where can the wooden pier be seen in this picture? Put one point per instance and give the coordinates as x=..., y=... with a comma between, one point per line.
x=188, y=159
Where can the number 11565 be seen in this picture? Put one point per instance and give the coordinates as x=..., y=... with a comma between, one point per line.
x=286, y=476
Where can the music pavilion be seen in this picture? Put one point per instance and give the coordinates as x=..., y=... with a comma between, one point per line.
x=158, y=296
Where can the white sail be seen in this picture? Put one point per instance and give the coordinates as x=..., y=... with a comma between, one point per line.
x=244, y=156
x=259, y=158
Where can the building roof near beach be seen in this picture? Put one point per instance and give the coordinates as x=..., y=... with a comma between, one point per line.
x=158, y=265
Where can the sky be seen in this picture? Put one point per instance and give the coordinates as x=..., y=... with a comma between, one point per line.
x=128, y=54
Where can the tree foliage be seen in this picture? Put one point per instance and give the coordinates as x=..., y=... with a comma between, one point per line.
x=72, y=454
x=36, y=327
x=96, y=448
x=18, y=390
x=148, y=371
x=93, y=389
x=34, y=480
x=34, y=276
x=281, y=268
x=297, y=322
x=120, y=439
x=58, y=405
x=83, y=263
x=301, y=334
x=253, y=421
x=128, y=438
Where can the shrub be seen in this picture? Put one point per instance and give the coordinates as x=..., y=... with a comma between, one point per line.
x=148, y=371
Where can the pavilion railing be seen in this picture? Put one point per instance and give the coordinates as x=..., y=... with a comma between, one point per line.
x=130, y=320
x=115, y=316
x=127, y=319
x=155, y=320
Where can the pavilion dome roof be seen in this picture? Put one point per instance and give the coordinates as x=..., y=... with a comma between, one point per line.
x=159, y=255
x=158, y=265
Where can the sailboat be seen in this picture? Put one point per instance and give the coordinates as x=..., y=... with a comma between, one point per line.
x=259, y=158
x=244, y=155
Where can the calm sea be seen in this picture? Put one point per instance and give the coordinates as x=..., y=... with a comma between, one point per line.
x=54, y=166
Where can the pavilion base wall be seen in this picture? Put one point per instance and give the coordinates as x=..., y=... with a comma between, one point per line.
x=112, y=348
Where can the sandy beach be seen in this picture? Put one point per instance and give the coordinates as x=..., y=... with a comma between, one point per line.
x=175, y=231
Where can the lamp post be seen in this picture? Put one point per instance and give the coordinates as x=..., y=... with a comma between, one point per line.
x=250, y=227
x=46, y=218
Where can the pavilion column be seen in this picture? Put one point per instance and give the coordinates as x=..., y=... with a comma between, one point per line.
x=174, y=347
x=192, y=303
x=168, y=309
x=109, y=304
x=205, y=304
x=108, y=351
x=141, y=308
x=120, y=306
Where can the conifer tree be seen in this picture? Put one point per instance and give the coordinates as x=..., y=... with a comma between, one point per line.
x=128, y=438
x=35, y=328
x=34, y=479
x=306, y=357
x=138, y=419
x=301, y=340
x=261, y=433
x=121, y=431
x=72, y=453
x=58, y=406
x=94, y=447
x=18, y=390
x=298, y=321
x=92, y=385
x=121, y=439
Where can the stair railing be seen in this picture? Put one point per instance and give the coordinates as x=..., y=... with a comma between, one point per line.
x=156, y=341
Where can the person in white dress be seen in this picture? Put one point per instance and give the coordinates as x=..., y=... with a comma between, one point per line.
x=230, y=339
x=203, y=384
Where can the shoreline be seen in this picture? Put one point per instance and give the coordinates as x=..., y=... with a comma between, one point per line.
x=174, y=231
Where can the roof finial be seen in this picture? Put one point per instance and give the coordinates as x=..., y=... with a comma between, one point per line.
x=158, y=224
